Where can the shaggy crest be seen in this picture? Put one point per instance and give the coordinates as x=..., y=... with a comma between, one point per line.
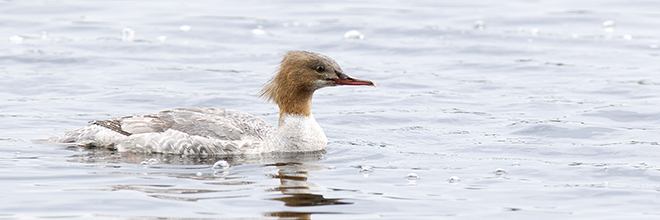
x=283, y=79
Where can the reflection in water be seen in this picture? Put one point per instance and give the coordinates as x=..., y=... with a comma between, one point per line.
x=294, y=184
x=114, y=157
x=297, y=190
x=292, y=171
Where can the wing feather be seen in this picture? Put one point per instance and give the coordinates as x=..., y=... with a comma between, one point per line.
x=219, y=123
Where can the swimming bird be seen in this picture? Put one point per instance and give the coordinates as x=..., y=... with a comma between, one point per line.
x=220, y=131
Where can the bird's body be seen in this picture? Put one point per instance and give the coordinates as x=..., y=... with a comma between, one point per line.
x=218, y=131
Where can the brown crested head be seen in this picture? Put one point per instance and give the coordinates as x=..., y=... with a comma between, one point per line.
x=300, y=74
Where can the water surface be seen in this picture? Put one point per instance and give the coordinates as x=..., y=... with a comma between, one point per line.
x=502, y=109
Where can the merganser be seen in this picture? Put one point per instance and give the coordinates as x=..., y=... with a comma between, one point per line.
x=219, y=131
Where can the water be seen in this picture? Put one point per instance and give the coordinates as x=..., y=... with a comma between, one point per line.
x=501, y=109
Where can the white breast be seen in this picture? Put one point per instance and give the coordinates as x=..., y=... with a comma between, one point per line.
x=301, y=133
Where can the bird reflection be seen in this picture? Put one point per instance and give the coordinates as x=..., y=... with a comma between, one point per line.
x=114, y=157
x=292, y=170
x=297, y=191
x=296, y=188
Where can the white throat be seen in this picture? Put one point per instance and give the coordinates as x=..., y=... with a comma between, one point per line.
x=301, y=133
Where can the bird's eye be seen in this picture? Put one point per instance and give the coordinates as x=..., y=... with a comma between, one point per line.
x=320, y=69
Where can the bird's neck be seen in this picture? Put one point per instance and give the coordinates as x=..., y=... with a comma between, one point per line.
x=295, y=103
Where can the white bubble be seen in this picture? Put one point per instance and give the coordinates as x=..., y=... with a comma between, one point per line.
x=44, y=35
x=127, y=34
x=162, y=39
x=354, y=34
x=653, y=46
x=608, y=26
x=412, y=177
x=185, y=28
x=259, y=31
x=499, y=172
x=627, y=37
x=534, y=31
x=17, y=154
x=454, y=179
x=16, y=39
x=199, y=174
x=516, y=164
x=479, y=25
x=152, y=161
x=220, y=165
x=365, y=170
x=144, y=163
x=331, y=168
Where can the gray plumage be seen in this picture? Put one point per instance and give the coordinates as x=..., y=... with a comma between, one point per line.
x=205, y=131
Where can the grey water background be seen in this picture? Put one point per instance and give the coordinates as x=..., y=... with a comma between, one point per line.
x=484, y=109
